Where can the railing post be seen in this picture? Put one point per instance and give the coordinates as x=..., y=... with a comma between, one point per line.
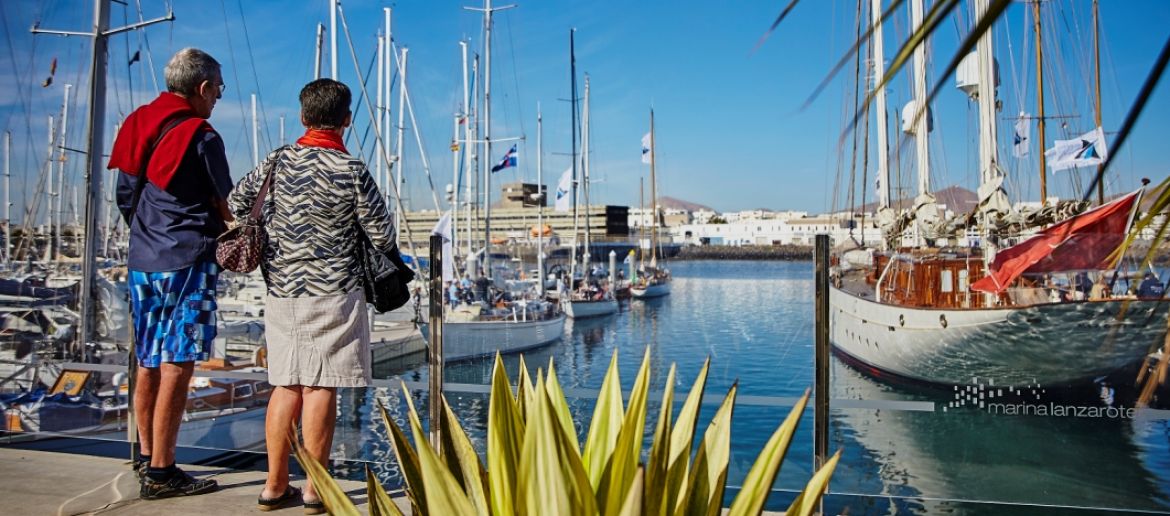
x=821, y=387
x=435, y=350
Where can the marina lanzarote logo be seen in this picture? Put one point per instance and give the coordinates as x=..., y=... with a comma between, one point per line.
x=1029, y=400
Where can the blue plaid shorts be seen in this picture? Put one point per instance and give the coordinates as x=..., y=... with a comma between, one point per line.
x=174, y=314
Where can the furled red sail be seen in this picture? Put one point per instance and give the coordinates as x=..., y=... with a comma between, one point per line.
x=1083, y=242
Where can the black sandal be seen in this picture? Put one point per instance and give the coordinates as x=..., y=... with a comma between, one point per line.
x=315, y=507
x=291, y=494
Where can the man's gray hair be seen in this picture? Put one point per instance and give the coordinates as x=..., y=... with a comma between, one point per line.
x=188, y=68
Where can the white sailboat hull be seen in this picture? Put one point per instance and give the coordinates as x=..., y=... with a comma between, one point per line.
x=464, y=340
x=586, y=309
x=656, y=290
x=1046, y=344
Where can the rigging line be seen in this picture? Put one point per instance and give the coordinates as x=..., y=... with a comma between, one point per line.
x=856, y=102
x=516, y=85
x=394, y=190
x=146, y=42
x=25, y=97
x=255, y=76
x=365, y=80
x=417, y=134
x=235, y=75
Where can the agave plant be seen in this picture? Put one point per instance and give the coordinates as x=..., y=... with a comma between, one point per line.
x=536, y=465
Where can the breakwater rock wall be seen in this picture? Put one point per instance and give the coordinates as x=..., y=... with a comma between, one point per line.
x=747, y=252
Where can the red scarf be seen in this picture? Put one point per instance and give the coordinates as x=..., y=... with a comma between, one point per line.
x=142, y=128
x=322, y=138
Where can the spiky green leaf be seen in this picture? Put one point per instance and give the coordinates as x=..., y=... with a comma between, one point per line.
x=505, y=437
x=332, y=494
x=444, y=494
x=758, y=483
x=379, y=501
x=656, y=468
x=623, y=462
x=407, y=460
x=810, y=497
x=605, y=424
x=560, y=406
x=681, y=439
x=471, y=472
x=708, y=476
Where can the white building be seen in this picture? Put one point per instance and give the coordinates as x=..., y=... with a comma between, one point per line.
x=776, y=231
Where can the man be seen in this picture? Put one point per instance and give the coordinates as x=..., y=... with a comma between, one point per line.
x=1150, y=287
x=171, y=193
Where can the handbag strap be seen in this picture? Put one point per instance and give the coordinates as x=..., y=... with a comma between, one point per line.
x=258, y=203
x=140, y=184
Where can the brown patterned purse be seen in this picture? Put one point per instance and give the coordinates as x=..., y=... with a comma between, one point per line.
x=241, y=248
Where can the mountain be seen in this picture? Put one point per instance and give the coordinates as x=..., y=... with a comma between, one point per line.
x=957, y=199
x=679, y=204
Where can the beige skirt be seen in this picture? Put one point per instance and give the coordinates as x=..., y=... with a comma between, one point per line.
x=321, y=341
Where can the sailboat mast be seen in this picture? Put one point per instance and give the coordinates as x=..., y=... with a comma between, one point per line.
x=58, y=240
x=333, y=39
x=487, y=138
x=641, y=219
x=879, y=70
x=400, y=218
x=255, y=135
x=467, y=146
x=585, y=168
x=988, y=154
x=7, y=199
x=540, y=195
x=573, y=152
x=317, y=54
x=1040, y=99
x=922, y=116
x=93, y=167
x=1097, y=83
x=653, y=199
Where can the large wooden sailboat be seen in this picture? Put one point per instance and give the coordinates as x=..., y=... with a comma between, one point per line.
x=1024, y=314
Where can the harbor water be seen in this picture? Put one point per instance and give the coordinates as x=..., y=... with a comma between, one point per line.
x=905, y=448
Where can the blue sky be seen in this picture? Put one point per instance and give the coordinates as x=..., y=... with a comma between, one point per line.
x=730, y=129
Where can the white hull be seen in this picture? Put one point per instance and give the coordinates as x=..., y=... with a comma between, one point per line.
x=656, y=290
x=1047, y=344
x=464, y=340
x=585, y=309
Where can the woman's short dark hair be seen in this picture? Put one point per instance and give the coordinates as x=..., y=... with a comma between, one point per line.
x=325, y=104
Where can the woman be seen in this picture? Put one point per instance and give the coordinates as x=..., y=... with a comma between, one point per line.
x=315, y=318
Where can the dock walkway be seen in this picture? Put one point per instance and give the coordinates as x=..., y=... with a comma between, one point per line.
x=40, y=482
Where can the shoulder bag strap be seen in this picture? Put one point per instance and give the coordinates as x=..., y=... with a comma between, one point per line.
x=140, y=184
x=258, y=203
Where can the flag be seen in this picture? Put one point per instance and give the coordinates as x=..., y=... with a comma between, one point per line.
x=564, y=189
x=646, y=148
x=1084, y=242
x=1023, y=138
x=443, y=229
x=135, y=58
x=1088, y=149
x=508, y=161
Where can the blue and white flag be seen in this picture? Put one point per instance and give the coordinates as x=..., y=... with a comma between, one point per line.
x=564, y=191
x=508, y=161
x=1087, y=150
x=1022, y=141
x=646, y=148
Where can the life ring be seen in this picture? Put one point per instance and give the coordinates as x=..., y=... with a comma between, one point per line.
x=260, y=357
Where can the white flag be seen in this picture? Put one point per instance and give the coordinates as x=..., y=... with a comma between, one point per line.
x=646, y=149
x=1023, y=138
x=443, y=229
x=1087, y=150
x=564, y=190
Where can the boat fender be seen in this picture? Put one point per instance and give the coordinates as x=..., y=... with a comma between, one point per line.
x=260, y=357
x=902, y=320
x=942, y=319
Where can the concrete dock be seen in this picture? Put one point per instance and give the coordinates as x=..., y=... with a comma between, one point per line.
x=41, y=482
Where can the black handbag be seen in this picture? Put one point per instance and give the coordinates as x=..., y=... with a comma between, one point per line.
x=385, y=277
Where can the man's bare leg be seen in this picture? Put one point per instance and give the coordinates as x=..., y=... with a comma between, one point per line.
x=145, y=389
x=168, y=411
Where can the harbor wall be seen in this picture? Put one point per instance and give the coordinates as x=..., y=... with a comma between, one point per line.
x=746, y=252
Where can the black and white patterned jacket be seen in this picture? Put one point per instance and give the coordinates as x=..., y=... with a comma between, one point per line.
x=316, y=196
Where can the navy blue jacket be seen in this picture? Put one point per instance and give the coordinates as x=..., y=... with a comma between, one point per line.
x=177, y=227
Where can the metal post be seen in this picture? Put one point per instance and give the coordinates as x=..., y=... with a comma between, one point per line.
x=59, y=239
x=821, y=386
x=613, y=271
x=435, y=352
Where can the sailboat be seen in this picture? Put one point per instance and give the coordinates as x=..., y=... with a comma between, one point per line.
x=954, y=315
x=592, y=299
x=652, y=281
x=489, y=326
